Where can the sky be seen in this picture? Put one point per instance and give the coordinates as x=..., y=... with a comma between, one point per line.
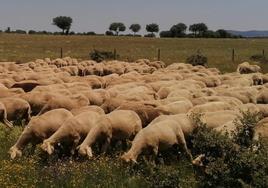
x=96, y=15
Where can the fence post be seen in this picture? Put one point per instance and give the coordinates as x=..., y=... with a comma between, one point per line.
x=114, y=54
x=233, y=55
x=263, y=54
x=158, y=54
x=61, y=53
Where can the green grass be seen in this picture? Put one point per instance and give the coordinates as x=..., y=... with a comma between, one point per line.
x=15, y=47
x=35, y=169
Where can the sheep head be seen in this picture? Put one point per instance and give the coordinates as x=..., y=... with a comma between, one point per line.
x=47, y=147
x=15, y=152
x=199, y=160
x=85, y=151
x=128, y=157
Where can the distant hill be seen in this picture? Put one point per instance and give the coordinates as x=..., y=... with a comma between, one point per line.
x=253, y=33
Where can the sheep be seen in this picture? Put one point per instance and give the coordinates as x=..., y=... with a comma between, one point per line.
x=178, y=107
x=262, y=97
x=261, y=130
x=66, y=102
x=72, y=130
x=38, y=129
x=17, y=109
x=246, y=68
x=93, y=108
x=210, y=107
x=118, y=125
x=3, y=116
x=156, y=137
x=146, y=112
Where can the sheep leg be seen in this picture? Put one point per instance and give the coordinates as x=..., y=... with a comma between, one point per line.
x=43, y=110
x=75, y=143
x=8, y=123
x=28, y=115
x=105, y=145
x=181, y=140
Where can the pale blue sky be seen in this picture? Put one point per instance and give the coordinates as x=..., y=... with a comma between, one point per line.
x=96, y=15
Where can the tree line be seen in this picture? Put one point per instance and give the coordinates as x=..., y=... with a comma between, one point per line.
x=176, y=31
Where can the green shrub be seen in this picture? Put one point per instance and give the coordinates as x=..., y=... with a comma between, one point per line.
x=99, y=56
x=197, y=59
x=231, y=162
x=244, y=132
x=259, y=58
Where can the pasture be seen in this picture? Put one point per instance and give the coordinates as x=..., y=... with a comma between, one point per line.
x=217, y=119
x=24, y=48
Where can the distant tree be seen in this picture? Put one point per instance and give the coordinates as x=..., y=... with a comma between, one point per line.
x=198, y=29
x=19, y=31
x=210, y=34
x=223, y=33
x=8, y=30
x=64, y=23
x=178, y=30
x=135, y=28
x=152, y=28
x=150, y=35
x=193, y=28
x=166, y=34
x=109, y=33
x=117, y=27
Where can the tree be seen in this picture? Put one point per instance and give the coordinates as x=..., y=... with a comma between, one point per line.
x=117, y=27
x=166, y=34
x=64, y=23
x=223, y=33
x=202, y=28
x=135, y=28
x=198, y=29
x=8, y=30
x=152, y=28
x=178, y=30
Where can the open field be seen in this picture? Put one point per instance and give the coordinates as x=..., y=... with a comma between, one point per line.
x=199, y=104
x=219, y=51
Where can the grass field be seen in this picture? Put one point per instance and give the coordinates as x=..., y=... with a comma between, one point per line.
x=36, y=169
x=15, y=47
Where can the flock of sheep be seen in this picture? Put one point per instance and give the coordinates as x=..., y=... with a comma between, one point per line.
x=86, y=104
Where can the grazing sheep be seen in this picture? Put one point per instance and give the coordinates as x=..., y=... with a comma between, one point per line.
x=178, y=107
x=147, y=113
x=246, y=68
x=66, y=102
x=27, y=85
x=3, y=115
x=38, y=129
x=261, y=130
x=211, y=107
x=262, y=97
x=72, y=130
x=83, y=109
x=17, y=109
x=156, y=137
x=118, y=125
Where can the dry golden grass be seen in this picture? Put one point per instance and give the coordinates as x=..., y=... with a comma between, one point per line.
x=15, y=47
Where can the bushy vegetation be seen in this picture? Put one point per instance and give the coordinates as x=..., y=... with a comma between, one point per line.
x=197, y=59
x=99, y=56
x=259, y=58
x=231, y=160
x=228, y=162
x=36, y=169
